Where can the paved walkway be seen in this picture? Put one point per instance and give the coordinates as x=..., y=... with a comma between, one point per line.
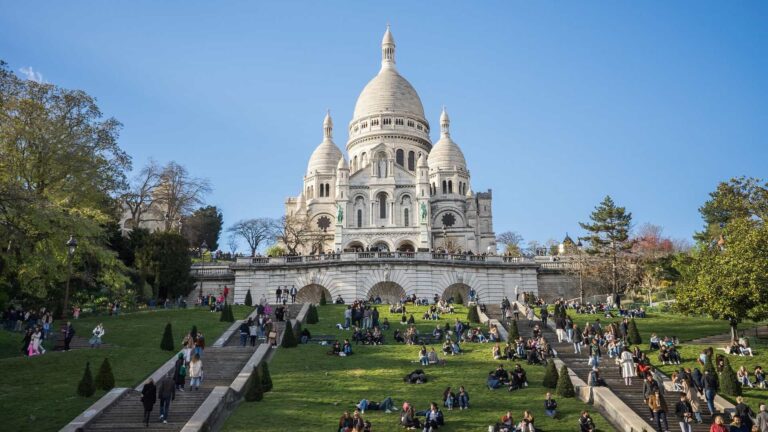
x=220, y=366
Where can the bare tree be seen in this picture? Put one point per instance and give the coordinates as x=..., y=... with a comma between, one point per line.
x=140, y=196
x=511, y=241
x=254, y=232
x=294, y=232
x=232, y=243
x=178, y=194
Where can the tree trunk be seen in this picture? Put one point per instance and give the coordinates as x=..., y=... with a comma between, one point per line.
x=734, y=325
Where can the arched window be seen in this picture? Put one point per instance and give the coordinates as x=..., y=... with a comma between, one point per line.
x=445, y=187
x=411, y=160
x=382, y=197
x=354, y=164
x=327, y=189
x=450, y=186
x=400, y=157
x=406, y=217
x=359, y=218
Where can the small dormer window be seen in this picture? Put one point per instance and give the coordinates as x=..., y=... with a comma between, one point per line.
x=364, y=125
x=356, y=128
x=398, y=122
x=410, y=123
x=375, y=122
x=419, y=127
x=387, y=121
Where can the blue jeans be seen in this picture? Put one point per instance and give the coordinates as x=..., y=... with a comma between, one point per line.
x=194, y=382
x=449, y=402
x=463, y=401
x=709, y=395
x=386, y=404
x=363, y=405
x=550, y=413
x=659, y=416
x=424, y=361
x=243, y=338
x=165, y=405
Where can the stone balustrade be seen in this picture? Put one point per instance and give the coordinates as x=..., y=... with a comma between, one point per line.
x=382, y=256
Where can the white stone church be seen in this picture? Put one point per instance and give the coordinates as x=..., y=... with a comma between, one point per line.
x=395, y=190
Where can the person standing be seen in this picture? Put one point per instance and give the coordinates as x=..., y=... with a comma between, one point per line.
x=684, y=413
x=627, y=366
x=745, y=412
x=544, y=314
x=294, y=291
x=166, y=391
x=148, y=399
x=710, y=390
x=68, y=333
x=278, y=294
x=649, y=388
x=658, y=405
x=244, y=331
x=718, y=425
x=195, y=372
x=762, y=419
x=98, y=332
x=180, y=372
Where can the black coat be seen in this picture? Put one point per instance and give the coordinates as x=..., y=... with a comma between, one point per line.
x=148, y=396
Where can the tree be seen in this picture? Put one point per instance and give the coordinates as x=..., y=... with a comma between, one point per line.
x=274, y=251
x=255, y=390
x=289, y=339
x=729, y=281
x=177, y=193
x=266, y=378
x=729, y=384
x=226, y=314
x=166, y=263
x=193, y=332
x=738, y=198
x=511, y=241
x=295, y=232
x=564, y=384
x=166, y=343
x=232, y=244
x=105, y=380
x=472, y=315
x=312, y=317
x=550, y=375
x=608, y=236
x=633, y=335
x=140, y=198
x=255, y=231
x=60, y=171
x=248, y=299
x=86, y=387
x=204, y=225
x=514, y=332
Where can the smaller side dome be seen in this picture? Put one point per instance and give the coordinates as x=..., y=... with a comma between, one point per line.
x=422, y=162
x=446, y=154
x=342, y=164
x=326, y=156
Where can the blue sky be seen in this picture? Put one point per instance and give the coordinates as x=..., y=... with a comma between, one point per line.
x=555, y=104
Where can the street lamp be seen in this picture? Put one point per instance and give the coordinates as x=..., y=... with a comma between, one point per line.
x=203, y=250
x=71, y=246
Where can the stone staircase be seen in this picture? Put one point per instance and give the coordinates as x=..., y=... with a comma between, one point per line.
x=632, y=395
x=220, y=367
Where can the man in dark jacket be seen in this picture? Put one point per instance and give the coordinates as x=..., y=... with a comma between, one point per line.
x=69, y=333
x=166, y=391
x=710, y=390
x=649, y=388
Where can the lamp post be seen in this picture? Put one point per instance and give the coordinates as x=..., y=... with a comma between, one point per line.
x=203, y=250
x=71, y=246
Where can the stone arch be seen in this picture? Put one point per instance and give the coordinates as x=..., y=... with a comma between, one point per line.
x=355, y=246
x=406, y=246
x=381, y=245
x=454, y=290
x=390, y=292
x=311, y=294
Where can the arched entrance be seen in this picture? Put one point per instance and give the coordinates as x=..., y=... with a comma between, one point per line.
x=311, y=294
x=406, y=246
x=389, y=292
x=355, y=246
x=456, y=290
x=380, y=247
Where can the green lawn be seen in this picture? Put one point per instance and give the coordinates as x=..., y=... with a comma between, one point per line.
x=39, y=392
x=312, y=389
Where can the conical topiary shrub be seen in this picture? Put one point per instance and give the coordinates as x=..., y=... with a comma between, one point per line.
x=312, y=317
x=266, y=378
x=550, y=375
x=255, y=391
x=729, y=384
x=167, y=342
x=193, y=332
x=226, y=314
x=289, y=339
x=514, y=333
x=472, y=315
x=458, y=299
x=323, y=300
x=633, y=334
x=105, y=380
x=86, y=387
x=248, y=299
x=564, y=384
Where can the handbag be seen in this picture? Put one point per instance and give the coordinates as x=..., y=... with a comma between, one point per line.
x=272, y=335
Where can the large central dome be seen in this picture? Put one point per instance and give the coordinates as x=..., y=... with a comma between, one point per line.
x=388, y=91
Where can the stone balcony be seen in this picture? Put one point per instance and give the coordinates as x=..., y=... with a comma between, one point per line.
x=369, y=257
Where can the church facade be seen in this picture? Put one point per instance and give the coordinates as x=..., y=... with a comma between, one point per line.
x=394, y=190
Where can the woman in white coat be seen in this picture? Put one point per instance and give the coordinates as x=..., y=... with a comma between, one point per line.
x=627, y=366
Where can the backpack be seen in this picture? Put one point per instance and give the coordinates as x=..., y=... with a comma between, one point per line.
x=183, y=371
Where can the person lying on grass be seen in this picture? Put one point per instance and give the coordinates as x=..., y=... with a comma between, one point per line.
x=387, y=405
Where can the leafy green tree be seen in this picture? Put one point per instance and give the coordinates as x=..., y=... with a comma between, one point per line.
x=266, y=378
x=728, y=281
x=633, y=335
x=511, y=241
x=275, y=251
x=60, y=167
x=472, y=315
x=608, y=236
x=729, y=384
x=255, y=389
x=289, y=339
x=204, y=224
x=248, y=299
x=167, y=342
x=166, y=262
x=738, y=198
x=86, y=387
x=564, y=384
x=105, y=380
x=550, y=375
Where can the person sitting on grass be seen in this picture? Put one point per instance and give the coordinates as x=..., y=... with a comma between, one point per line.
x=449, y=399
x=358, y=423
x=447, y=348
x=506, y=423
x=387, y=405
x=398, y=337
x=385, y=324
x=743, y=377
x=432, y=357
x=492, y=382
x=550, y=406
x=496, y=352
x=759, y=377
x=456, y=347
x=586, y=424
x=411, y=320
x=493, y=334
x=423, y=356
x=335, y=349
x=377, y=338
x=403, y=320
x=501, y=374
x=463, y=398
x=347, y=347
x=519, y=379
x=434, y=418
x=526, y=424
x=345, y=422
x=408, y=419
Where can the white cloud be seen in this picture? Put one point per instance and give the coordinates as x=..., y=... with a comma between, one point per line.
x=32, y=74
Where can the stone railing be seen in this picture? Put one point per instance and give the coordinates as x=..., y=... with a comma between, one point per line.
x=383, y=256
x=211, y=272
